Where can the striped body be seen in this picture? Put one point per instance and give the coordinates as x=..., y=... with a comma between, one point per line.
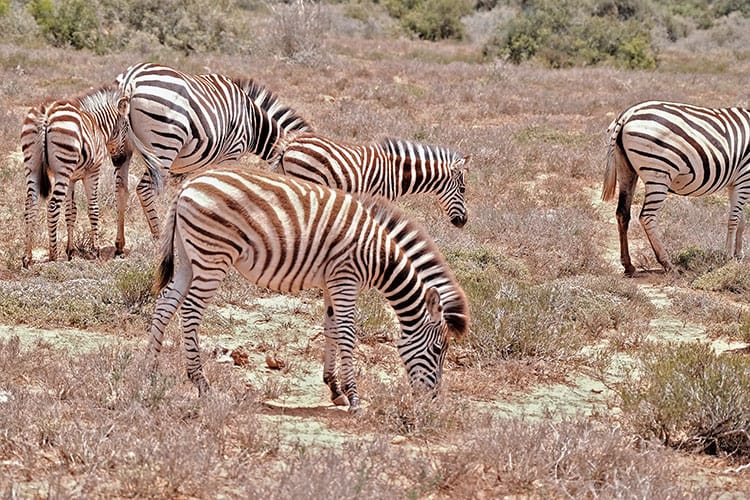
x=68, y=140
x=290, y=235
x=391, y=168
x=182, y=123
x=682, y=149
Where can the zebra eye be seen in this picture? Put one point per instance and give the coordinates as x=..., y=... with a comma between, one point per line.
x=437, y=349
x=462, y=189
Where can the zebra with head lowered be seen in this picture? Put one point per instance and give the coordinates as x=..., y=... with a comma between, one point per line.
x=68, y=140
x=682, y=149
x=391, y=168
x=182, y=122
x=288, y=235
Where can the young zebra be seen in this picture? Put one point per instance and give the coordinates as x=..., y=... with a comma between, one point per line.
x=181, y=122
x=68, y=140
x=289, y=235
x=391, y=168
x=682, y=149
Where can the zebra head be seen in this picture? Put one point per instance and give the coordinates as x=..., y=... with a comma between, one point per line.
x=424, y=351
x=453, y=195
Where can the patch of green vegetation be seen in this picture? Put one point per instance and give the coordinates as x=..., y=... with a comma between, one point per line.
x=570, y=33
x=696, y=260
x=733, y=277
x=690, y=398
x=430, y=19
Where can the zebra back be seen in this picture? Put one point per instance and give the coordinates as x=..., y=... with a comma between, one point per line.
x=268, y=101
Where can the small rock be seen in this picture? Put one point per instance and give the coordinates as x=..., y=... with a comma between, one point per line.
x=240, y=357
x=398, y=439
x=274, y=363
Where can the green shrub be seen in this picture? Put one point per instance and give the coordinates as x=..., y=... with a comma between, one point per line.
x=562, y=34
x=690, y=398
x=134, y=284
x=733, y=277
x=71, y=23
x=4, y=7
x=431, y=19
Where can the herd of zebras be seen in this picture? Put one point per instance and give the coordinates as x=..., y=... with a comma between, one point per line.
x=320, y=216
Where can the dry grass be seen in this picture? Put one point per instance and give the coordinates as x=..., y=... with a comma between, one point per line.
x=535, y=259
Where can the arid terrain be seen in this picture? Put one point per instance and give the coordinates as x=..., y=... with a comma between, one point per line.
x=534, y=402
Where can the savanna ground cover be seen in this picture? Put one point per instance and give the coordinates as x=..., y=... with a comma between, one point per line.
x=574, y=380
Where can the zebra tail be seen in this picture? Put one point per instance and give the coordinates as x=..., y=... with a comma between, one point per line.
x=610, y=173
x=45, y=185
x=152, y=162
x=165, y=272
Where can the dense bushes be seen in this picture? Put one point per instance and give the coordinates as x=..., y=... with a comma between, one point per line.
x=431, y=19
x=567, y=33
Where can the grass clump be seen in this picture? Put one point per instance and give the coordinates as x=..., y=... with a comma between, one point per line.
x=697, y=261
x=690, y=398
x=734, y=277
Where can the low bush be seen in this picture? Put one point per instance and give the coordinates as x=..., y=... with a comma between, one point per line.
x=563, y=34
x=690, y=398
x=431, y=19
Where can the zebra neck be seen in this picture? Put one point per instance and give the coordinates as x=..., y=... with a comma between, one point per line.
x=412, y=175
x=403, y=288
x=264, y=132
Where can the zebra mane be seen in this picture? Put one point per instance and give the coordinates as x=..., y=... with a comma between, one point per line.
x=269, y=102
x=97, y=99
x=396, y=146
x=426, y=258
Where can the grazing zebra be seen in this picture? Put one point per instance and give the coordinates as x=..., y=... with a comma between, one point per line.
x=68, y=140
x=682, y=149
x=181, y=122
x=287, y=234
x=391, y=168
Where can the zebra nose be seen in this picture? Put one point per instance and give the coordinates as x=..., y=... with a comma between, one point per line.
x=458, y=220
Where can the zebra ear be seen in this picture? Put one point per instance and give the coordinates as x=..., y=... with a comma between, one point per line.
x=463, y=163
x=434, y=307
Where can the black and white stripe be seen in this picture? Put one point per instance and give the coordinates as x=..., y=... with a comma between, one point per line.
x=183, y=122
x=391, y=168
x=288, y=235
x=68, y=140
x=682, y=149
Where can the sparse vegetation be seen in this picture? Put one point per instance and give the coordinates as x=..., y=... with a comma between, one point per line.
x=690, y=398
x=538, y=261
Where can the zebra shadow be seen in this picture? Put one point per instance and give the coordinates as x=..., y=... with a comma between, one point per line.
x=302, y=411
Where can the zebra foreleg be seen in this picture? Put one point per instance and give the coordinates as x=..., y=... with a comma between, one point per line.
x=192, y=311
x=343, y=318
x=91, y=186
x=147, y=196
x=656, y=193
x=330, y=375
x=735, y=223
x=122, y=167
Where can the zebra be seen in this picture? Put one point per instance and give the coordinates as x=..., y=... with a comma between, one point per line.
x=391, y=168
x=287, y=234
x=182, y=122
x=683, y=149
x=67, y=140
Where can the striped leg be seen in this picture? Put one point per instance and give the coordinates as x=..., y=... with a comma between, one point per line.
x=59, y=192
x=71, y=213
x=627, y=179
x=342, y=304
x=330, y=375
x=736, y=222
x=122, y=167
x=91, y=185
x=193, y=307
x=656, y=194
x=31, y=214
x=147, y=196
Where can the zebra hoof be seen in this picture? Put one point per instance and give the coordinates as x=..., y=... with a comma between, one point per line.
x=341, y=400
